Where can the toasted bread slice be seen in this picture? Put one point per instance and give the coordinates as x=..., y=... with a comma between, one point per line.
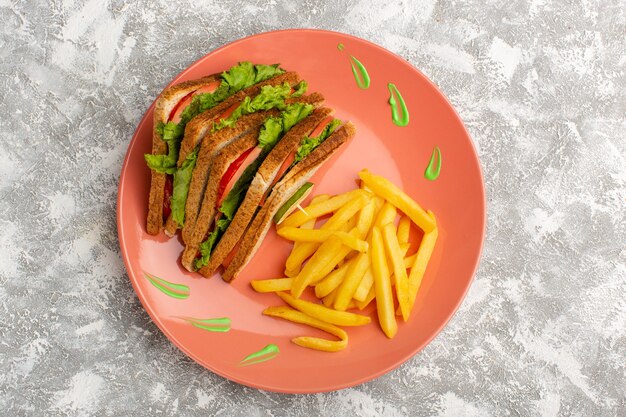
x=164, y=105
x=208, y=211
x=205, y=217
x=200, y=126
x=210, y=147
x=293, y=180
x=262, y=181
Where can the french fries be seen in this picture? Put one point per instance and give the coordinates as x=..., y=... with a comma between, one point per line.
x=421, y=261
x=272, y=285
x=340, y=318
x=358, y=256
x=338, y=221
x=345, y=292
x=394, y=195
x=332, y=281
x=322, y=208
x=301, y=235
x=316, y=266
x=395, y=254
x=311, y=223
x=382, y=286
x=307, y=341
x=404, y=229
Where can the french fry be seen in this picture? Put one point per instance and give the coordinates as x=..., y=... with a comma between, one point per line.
x=351, y=305
x=339, y=318
x=421, y=261
x=409, y=261
x=272, y=285
x=387, y=214
x=366, y=284
x=301, y=235
x=353, y=277
x=329, y=299
x=331, y=281
x=365, y=218
x=367, y=300
x=394, y=195
x=382, y=286
x=322, y=208
x=309, y=225
x=336, y=222
x=316, y=343
x=317, y=267
x=405, y=248
x=404, y=229
x=395, y=255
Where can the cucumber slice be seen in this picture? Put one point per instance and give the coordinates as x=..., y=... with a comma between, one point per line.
x=291, y=204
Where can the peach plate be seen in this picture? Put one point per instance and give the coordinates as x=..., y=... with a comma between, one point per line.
x=400, y=153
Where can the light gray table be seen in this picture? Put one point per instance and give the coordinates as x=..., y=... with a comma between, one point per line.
x=540, y=86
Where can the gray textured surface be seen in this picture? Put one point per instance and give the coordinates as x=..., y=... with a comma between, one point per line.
x=540, y=86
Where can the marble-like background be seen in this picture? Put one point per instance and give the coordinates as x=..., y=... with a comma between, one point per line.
x=541, y=87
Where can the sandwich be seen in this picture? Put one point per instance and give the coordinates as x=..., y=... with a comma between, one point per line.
x=232, y=170
x=206, y=98
x=231, y=152
x=243, y=182
x=285, y=195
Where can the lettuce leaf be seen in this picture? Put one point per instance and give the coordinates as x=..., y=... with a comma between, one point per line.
x=270, y=97
x=241, y=76
x=309, y=144
x=207, y=246
x=272, y=130
x=274, y=127
x=300, y=89
x=166, y=164
x=182, y=178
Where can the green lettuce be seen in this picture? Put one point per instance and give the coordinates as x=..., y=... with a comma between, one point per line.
x=300, y=89
x=270, y=97
x=309, y=144
x=207, y=246
x=182, y=178
x=166, y=163
x=234, y=80
x=272, y=130
x=242, y=75
x=274, y=127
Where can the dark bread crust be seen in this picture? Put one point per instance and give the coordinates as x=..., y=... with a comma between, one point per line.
x=200, y=125
x=262, y=181
x=294, y=179
x=211, y=145
x=162, y=108
x=208, y=210
x=212, y=172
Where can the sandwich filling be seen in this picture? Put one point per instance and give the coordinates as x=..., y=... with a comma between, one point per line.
x=237, y=179
x=318, y=135
x=240, y=76
x=269, y=97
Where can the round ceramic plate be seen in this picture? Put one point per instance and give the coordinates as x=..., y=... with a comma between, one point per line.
x=398, y=153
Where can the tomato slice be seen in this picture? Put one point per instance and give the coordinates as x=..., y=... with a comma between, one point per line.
x=321, y=126
x=234, y=172
x=179, y=107
x=228, y=112
x=167, y=196
x=185, y=101
x=292, y=157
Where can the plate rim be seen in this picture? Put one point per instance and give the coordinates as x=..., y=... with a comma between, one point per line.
x=267, y=387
